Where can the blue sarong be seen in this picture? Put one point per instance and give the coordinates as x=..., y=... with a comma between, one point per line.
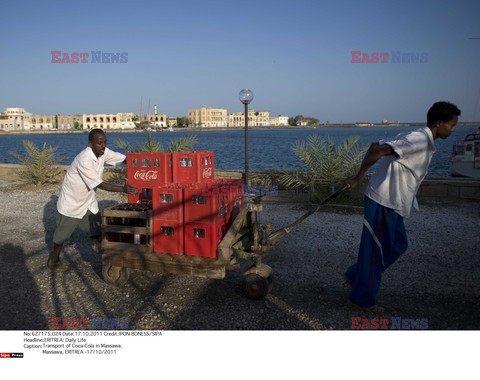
x=384, y=240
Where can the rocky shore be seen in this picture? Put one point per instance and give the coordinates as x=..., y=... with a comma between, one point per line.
x=437, y=279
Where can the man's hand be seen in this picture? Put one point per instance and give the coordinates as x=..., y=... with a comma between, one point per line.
x=352, y=182
x=129, y=189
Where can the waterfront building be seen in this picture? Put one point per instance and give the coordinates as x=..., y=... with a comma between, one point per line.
x=208, y=117
x=279, y=121
x=69, y=121
x=108, y=121
x=172, y=122
x=42, y=122
x=255, y=119
x=262, y=119
x=15, y=119
x=159, y=120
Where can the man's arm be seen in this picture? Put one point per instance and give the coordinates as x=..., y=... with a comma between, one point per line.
x=374, y=153
x=117, y=188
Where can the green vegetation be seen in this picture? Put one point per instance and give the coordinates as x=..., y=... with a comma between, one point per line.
x=302, y=120
x=181, y=144
x=326, y=167
x=39, y=165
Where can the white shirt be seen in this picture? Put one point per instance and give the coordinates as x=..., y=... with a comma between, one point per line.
x=396, y=181
x=77, y=194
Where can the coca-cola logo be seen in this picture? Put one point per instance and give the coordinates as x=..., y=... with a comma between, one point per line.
x=207, y=172
x=145, y=175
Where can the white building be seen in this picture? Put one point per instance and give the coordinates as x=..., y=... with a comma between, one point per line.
x=15, y=119
x=108, y=121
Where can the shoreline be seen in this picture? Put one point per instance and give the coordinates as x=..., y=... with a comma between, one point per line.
x=196, y=129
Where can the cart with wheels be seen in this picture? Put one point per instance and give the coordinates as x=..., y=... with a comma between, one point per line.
x=131, y=246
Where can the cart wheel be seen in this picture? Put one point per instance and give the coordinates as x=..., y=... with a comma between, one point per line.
x=255, y=286
x=115, y=275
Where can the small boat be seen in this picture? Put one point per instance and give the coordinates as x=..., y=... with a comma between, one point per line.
x=465, y=161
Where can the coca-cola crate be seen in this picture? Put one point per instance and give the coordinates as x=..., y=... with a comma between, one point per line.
x=202, y=239
x=193, y=167
x=168, y=203
x=184, y=167
x=205, y=166
x=168, y=237
x=205, y=203
x=147, y=170
x=149, y=167
x=230, y=191
x=127, y=227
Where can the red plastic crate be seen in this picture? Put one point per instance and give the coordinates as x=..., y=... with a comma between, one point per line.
x=193, y=167
x=168, y=237
x=154, y=168
x=231, y=191
x=205, y=166
x=205, y=204
x=184, y=168
x=202, y=239
x=167, y=203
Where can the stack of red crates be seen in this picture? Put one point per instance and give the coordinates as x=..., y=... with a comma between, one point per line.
x=191, y=209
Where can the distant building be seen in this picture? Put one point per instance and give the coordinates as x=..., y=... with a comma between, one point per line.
x=262, y=119
x=172, y=122
x=363, y=124
x=208, y=117
x=159, y=120
x=69, y=121
x=255, y=119
x=42, y=122
x=15, y=119
x=279, y=121
x=108, y=121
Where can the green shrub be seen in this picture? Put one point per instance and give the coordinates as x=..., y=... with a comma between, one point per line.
x=326, y=167
x=39, y=165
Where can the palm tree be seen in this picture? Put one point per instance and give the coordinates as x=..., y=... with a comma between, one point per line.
x=181, y=144
x=326, y=165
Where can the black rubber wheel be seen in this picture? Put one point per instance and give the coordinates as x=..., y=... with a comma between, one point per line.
x=114, y=275
x=255, y=286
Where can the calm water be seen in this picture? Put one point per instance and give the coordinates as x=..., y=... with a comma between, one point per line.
x=268, y=148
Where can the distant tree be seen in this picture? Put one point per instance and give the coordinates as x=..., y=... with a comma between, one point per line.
x=297, y=119
x=182, y=122
x=77, y=125
x=291, y=122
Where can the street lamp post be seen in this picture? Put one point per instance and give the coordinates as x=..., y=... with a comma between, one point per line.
x=246, y=96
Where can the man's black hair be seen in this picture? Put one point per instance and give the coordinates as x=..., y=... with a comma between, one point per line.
x=443, y=111
x=94, y=132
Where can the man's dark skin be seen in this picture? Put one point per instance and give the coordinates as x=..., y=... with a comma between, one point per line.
x=98, y=145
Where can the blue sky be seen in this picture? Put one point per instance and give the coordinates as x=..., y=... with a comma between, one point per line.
x=294, y=55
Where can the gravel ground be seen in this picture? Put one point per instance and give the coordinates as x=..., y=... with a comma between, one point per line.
x=438, y=277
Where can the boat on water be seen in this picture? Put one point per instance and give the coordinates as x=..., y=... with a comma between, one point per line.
x=465, y=161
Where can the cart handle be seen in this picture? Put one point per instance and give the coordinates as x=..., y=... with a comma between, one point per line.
x=276, y=235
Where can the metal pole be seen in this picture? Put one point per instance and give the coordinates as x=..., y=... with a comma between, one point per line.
x=246, y=144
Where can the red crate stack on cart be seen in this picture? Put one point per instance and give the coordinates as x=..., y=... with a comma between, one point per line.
x=205, y=219
x=145, y=171
x=191, y=209
x=168, y=221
